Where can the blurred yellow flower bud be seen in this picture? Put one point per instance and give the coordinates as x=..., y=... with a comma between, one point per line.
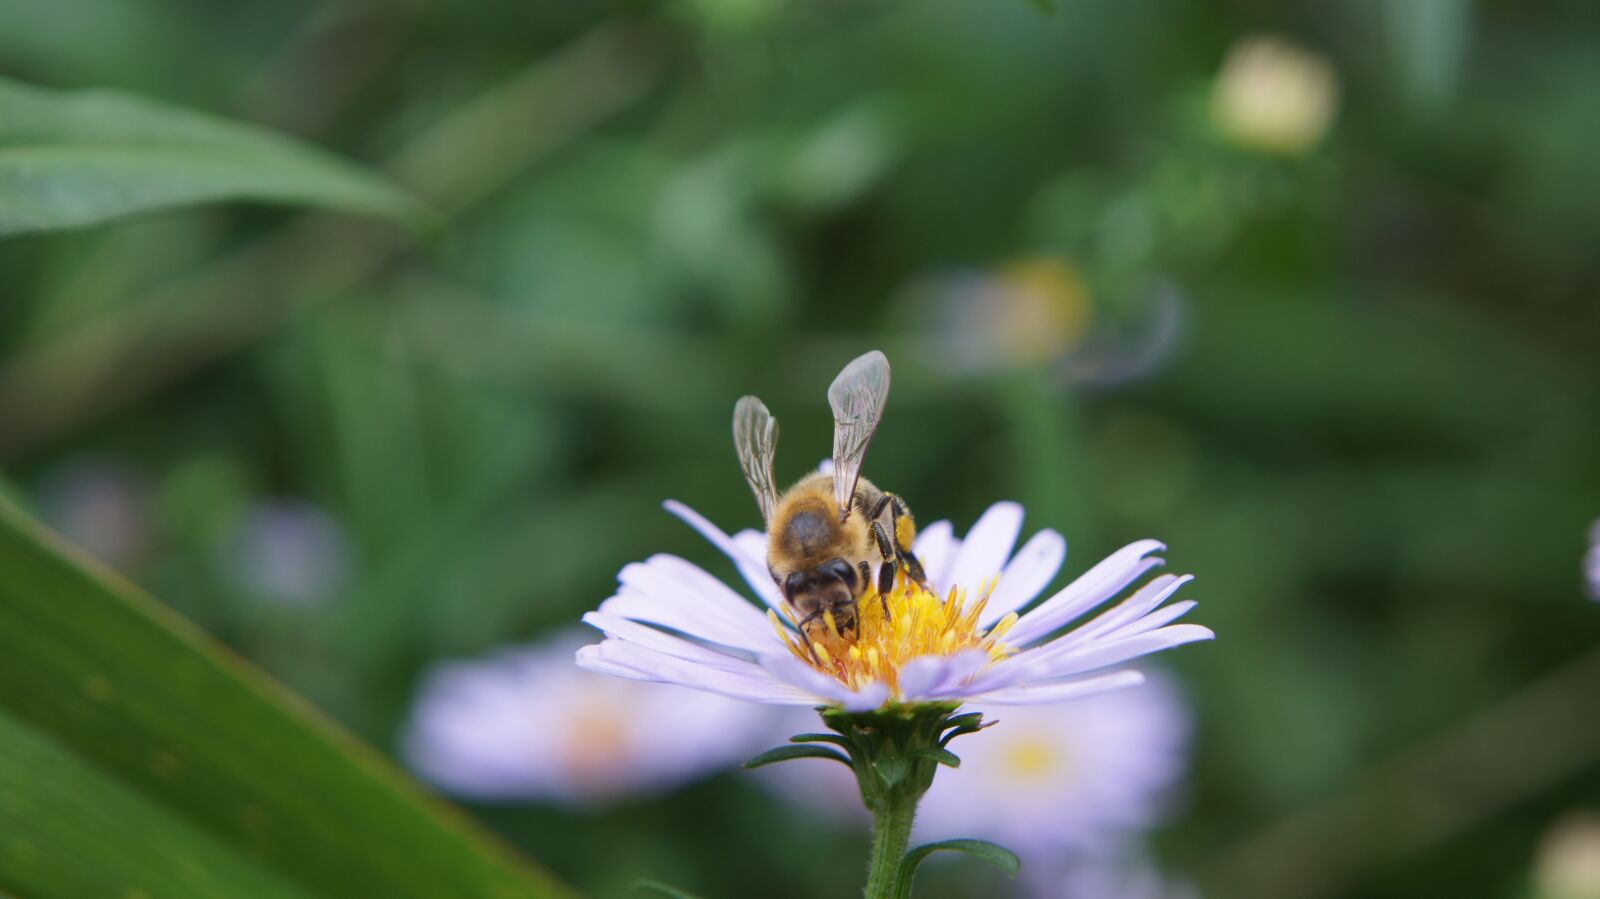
x=1274, y=96
x=1568, y=866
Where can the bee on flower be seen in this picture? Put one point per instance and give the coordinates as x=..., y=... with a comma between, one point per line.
x=862, y=611
x=887, y=630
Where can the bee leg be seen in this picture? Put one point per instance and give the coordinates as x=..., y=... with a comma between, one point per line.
x=903, y=553
x=914, y=568
x=886, y=547
x=886, y=550
x=879, y=506
x=806, y=635
x=886, y=583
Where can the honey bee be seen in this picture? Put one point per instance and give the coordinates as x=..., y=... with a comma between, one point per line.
x=832, y=533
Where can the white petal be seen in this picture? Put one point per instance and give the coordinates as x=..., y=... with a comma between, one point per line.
x=1049, y=665
x=1095, y=586
x=790, y=670
x=597, y=658
x=987, y=546
x=752, y=566
x=630, y=631
x=1159, y=618
x=616, y=657
x=1031, y=694
x=936, y=547
x=1146, y=599
x=753, y=544
x=672, y=592
x=1030, y=571
x=935, y=677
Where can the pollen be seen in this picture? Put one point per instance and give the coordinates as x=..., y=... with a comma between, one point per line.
x=909, y=623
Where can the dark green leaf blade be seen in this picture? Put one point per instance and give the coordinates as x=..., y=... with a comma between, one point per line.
x=73, y=158
x=997, y=855
x=172, y=763
x=785, y=753
x=835, y=739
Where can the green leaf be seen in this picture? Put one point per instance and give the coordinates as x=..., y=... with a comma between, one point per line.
x=999, y=856
x=138, y=760
x=656, y=886
x=835, y=739
x=72, y=158
x=785, y=753
x=942, y=756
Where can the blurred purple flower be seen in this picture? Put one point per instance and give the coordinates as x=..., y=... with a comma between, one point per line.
x=1079, y=779
x=287, y=550
x=525, y=724
x=1591, y=563
x=1116, y=876
x=1040, y=313
x=101, y=506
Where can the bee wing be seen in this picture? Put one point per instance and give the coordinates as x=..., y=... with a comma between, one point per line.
x=755, y=436
x=857, y=397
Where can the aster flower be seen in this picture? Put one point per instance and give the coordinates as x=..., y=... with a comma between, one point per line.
x=970, y=637
x=888, y=660
x=523, y=724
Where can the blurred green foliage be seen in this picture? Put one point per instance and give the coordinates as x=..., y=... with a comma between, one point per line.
x=1372, y=433
x=135, y=760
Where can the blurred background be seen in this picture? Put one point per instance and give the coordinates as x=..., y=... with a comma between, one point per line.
x=1305, y=290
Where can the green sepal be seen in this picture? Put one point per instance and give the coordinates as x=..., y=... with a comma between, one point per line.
x=785, y=753
x=941, y=755
x=966, y=727
x=656, y=886
x=892, y=769
x=994, y=854
x=969, y=719
x=835, y=739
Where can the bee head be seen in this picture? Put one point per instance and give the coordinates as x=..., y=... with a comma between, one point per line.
x=830, y=587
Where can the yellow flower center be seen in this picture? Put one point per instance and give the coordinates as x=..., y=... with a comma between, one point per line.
x=912, y=622
x=1031, y=759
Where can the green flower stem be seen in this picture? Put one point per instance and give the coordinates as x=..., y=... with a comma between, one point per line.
x=891, y=837
x=895, y=752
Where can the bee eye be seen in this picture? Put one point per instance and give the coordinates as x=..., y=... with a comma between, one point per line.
x=842, y=570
